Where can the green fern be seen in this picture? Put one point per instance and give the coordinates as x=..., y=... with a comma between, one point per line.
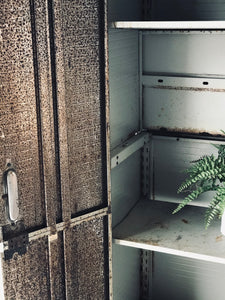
x=216, y=206
x=206, y=174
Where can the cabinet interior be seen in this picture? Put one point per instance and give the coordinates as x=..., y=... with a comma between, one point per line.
x=167, y=89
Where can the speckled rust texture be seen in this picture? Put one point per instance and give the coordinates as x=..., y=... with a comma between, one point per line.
x=85, y=265
x=18, y=116
x=26, y=277
x=79, y=51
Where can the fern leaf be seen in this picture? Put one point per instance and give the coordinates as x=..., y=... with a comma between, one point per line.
x=206, y=175
x=216, y=206
x=192, y=196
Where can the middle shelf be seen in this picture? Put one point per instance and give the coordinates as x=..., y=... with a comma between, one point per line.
x=151, y=226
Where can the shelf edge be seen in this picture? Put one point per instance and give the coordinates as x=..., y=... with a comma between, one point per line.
x=192, y=255
x=188, y=25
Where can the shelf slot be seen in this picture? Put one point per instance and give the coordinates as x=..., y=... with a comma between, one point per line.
x=122, y=152
x=182, y=82
x=151, y=226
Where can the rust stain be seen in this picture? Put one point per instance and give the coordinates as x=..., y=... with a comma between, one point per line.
x=154, y=242
x=179, y=238
x=184, y=221
x=161, y=225
x=193, y=89
x=176, y=130
x=219, y=238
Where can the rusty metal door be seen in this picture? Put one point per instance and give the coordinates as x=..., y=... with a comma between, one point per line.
x=54, y=212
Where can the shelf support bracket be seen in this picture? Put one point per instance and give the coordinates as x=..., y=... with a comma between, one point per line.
x=122, y=152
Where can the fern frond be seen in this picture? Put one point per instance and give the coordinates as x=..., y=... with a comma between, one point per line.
x=192, y=196
x=203, y=164
x=210, y=174
x=216, y=206
x=206, y=174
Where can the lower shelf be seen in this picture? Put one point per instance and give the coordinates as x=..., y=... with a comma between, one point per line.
x=151, y=226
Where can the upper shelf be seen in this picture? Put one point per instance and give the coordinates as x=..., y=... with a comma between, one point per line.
x=170, y=25
x=151, y=226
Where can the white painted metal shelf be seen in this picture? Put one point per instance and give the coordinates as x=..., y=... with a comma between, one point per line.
x=151, y=226
x=126, y=149
x=170, y=25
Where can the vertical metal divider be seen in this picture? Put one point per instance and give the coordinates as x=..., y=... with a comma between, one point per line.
x=145, y=256
x=140, y=82
x=146, y=272
x=146, y=170
x=108, y=156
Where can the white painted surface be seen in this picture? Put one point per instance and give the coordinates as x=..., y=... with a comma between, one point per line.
x=190, y=25
x=151, y=226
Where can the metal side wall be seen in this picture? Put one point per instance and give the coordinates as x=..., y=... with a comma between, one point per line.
x=124, y=123
x=126, y=273
x=123, y=85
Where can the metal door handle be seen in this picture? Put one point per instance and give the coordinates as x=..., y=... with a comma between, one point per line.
x=12, y=195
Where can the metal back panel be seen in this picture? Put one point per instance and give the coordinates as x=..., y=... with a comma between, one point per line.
x=124, y=10
x=170, y=157
x=188, y=279
x=184, y=53
x=181, y=92
x=188, y=10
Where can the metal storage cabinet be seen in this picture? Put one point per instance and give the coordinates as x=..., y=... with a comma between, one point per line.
x=54, y=236
x=161, y=64
x=166, y=83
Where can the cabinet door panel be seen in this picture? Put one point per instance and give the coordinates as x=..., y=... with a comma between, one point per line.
x=85, y=260
x=79, y=44
x=52, y=135
x=19, y=138
x=26, y=276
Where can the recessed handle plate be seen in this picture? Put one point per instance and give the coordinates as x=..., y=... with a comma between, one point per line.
x=12, y=191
